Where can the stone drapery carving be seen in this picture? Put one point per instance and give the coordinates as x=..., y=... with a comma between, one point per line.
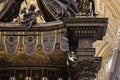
x=52, y=9
x=10, y=10
x=57, y=9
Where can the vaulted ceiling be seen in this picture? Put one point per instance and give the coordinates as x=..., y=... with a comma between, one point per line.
x=111, y=10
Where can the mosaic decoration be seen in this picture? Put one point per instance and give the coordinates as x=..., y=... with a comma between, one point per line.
x=48, y=42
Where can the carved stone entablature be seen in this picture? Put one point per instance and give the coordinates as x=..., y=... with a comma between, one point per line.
x=83, y=31
x=44, y=46
x=4, y=60
x=57, y=59
x=87, y=23
x=87, y=26
x=56, y=25
x=85, y=52
x=82, y=20
x=85, y=68
x=39, y=46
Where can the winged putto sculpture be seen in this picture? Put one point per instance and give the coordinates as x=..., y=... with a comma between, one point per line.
x=51, y=10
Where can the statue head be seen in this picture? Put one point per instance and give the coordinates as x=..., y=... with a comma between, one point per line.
x=32, y=7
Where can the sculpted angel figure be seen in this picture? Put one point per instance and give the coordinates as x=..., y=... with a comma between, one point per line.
x=84, y=7
x=29, y=18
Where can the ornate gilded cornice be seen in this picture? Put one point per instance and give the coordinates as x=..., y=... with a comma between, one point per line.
x=56, y=25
